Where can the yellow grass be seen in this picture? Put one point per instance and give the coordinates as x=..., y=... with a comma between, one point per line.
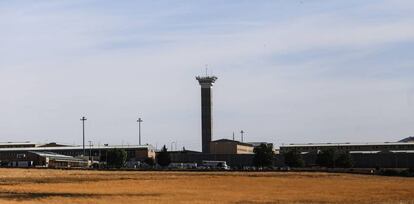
x=63, y=186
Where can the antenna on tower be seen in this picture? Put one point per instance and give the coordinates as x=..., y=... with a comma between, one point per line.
x=206, y=69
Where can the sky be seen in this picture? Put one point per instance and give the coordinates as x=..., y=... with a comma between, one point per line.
x=289, y=71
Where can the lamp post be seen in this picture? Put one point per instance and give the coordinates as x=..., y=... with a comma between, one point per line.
x=83, y=133
x=242, y=133
x=139, y=129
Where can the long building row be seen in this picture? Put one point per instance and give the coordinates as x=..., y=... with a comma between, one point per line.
x=28, y=154
x=236, y=154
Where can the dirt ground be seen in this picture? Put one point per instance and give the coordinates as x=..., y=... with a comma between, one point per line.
x=75, y=186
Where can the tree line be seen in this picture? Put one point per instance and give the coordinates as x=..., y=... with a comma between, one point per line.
x=116, y=158
x=263, y=157
x=330, y=158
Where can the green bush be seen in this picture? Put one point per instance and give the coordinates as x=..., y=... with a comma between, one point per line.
x=326, y=158
x=389, y=172
x=149, y=161
x=263, y=155
x=395, y=172
x=164, y=158
x=344, y=160
x=293, y=158
x=116, y=158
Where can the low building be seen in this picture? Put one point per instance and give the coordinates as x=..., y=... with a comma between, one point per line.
x=350, y=147
x=95, y=153
x=225, y=146
x=41, y=159
x=364, y=155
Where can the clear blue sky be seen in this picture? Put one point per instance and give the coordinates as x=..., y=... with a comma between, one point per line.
x=289, y=71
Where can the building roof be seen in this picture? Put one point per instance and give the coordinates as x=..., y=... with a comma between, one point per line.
x=75, y=148
x=54, y=144
x=402, y=151
x=407, y=139
x=255, y=144
x=58, y=157
x=377, y=152
x=17, y=143
x=345, y=144
x=235, y=141
x=364, y=152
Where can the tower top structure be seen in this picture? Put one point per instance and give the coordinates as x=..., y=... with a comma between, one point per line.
x=206, y=81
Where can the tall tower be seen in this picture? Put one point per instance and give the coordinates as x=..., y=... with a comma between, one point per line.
x=206, y=83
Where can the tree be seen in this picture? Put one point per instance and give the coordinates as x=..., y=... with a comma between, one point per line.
x=263, y=155
x=149, y=161
x=326, y=158
x=116, y=158
x=344, y=160
x=164, y=158
x=293, y=158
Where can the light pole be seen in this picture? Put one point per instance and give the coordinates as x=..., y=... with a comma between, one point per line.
x=83, y=133
x=242, y=132
x=139, y=129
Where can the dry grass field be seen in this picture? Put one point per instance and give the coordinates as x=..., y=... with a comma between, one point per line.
x=73, y=186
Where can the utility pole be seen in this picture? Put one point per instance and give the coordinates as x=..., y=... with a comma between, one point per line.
x=139, y=129
x=242, y=132
x=233, y=136
x=83, y=133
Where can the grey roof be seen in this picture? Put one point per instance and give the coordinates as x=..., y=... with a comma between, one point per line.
x=235, y=141
x=74, y=148
x=407, y=139
x=56, y=157
x=345, y=144
x=17, y=143
x=364, y=152
x=255, y=144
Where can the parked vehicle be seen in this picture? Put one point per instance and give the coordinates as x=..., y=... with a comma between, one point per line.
x=183, y=165
x=215, y=165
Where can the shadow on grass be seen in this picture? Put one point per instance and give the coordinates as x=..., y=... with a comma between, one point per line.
x=40, y=195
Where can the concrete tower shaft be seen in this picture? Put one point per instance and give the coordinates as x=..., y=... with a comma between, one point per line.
x=206, y=83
